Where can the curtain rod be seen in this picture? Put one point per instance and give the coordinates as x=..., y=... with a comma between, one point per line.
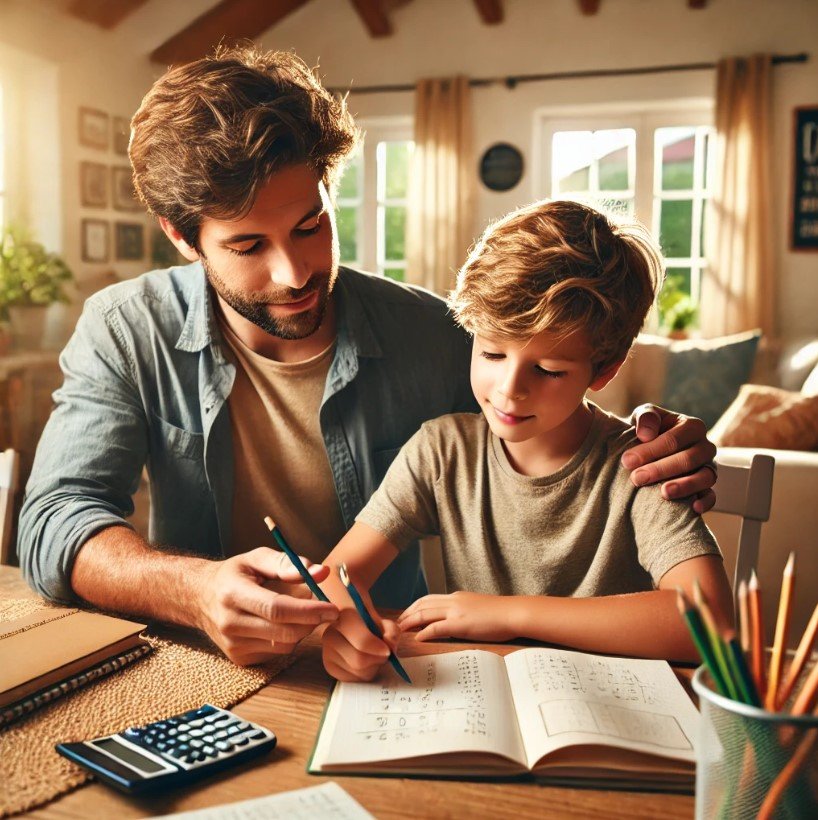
x=514, y=80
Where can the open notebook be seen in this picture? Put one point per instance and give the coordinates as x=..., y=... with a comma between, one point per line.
x=567, y=717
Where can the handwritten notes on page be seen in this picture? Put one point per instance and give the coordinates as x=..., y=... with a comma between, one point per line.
x=325, y=802
x=459, y=702
x=566, y=698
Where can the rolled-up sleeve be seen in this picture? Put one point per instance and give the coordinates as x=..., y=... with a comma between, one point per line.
x=89, y=458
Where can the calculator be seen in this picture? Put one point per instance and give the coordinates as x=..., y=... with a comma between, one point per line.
x=171, y=752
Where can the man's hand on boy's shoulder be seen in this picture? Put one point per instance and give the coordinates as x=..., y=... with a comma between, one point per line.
x=675, y=450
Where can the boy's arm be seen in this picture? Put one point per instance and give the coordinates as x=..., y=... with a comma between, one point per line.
x=350, y=650
x=643, y=624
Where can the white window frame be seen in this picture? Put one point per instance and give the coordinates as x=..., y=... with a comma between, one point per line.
x=644, y=118
x=371, y=203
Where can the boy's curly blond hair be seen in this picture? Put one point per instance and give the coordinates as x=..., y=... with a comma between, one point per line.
x=563, y=267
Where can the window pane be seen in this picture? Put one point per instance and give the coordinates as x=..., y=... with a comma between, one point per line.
x=398, y=274
x=347, y=222
x=677, y=280
x=394, y=233
x=678, y=146
x=397, y=169
x=613, y=170
x=571, y=156
x=675, y=227
x=350, y=181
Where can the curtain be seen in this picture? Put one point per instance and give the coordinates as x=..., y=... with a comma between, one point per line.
x=738, y=290
x=440, y=220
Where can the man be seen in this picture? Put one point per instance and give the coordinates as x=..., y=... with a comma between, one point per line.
x=258, y=380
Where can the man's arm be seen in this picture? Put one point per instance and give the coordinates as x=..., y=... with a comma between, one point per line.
x=237, y=602
x=641, y=624
x=675, y=451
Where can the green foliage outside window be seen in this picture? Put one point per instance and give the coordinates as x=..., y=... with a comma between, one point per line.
x=677, y=311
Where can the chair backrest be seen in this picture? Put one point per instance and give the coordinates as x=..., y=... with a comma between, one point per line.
x=9, y=476
x=745, y=490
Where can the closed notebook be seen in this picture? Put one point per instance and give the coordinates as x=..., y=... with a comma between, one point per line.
x=560, y=716
x=54, y=645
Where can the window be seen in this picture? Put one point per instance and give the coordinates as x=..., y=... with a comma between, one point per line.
x=2, y=162
x=650, y=164
x=372, y=200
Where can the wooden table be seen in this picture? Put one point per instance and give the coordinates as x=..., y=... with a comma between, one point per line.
x=291, y=705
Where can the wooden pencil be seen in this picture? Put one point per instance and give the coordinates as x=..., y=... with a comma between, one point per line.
x=756, y=634
x=782, y=628
x=700, y=639
x=716, y=642
x=806, y=698
x=744, y=680
x=801, y=655
x=743, y=617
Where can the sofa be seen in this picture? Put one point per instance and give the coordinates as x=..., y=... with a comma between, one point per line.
x=758, y=375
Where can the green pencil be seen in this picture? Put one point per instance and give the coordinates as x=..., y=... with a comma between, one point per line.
x=699, y=635
x=740, y=670
x=717, y=644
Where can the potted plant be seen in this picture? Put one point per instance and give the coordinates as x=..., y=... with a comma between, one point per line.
x=677, y=311
x=31, y=279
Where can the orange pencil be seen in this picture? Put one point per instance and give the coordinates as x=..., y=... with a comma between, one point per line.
x=808, y=695
x=801, y=655
x=743, y=618
x=782, y=628
x=756, y=634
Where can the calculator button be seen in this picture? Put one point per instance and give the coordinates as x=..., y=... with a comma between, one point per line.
x=233, y=730
x=195, y=743
x=220, y=735
x=161, y=726
x=210, y=751
x=161, y=746
x=172, y=732
x=133, y=732
x=196, y=732
x=239, y=740
x=183, y=727
x=204, y=711
x=224, y=746
x=148, y=740
x=183, y=738
x=243, y=726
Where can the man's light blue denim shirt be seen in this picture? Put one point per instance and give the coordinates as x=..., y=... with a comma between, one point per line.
x=146, y=383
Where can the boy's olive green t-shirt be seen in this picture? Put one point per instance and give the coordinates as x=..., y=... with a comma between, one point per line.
x=583, y=531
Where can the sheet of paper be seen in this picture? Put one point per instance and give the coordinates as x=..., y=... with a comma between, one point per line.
x=565, y=698
x=325, y=802
x=458, y=701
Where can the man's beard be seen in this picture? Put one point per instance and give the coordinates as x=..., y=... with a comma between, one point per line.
x=255, y=310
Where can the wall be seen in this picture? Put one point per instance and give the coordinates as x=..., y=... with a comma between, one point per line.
x=445, y=37
x=57, y=65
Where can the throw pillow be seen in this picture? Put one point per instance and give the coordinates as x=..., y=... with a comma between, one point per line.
x=763, y=416
x=704, y=376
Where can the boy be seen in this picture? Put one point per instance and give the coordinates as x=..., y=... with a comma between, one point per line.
x=544, y=536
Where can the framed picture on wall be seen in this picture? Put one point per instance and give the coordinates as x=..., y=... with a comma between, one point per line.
x=130, y=241
x=804, y=203
x=124, y=195
x=95, y=240
x=122, y=133
x=93, y=128
x=93, y=185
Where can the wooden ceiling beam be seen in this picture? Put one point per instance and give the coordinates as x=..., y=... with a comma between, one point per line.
x=589, y=7
x=104, y=13
x=490, y=11
x=374, y=17
x=227, y=22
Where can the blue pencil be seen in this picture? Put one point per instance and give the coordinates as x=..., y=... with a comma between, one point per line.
x=296, y=561
x=368, y=620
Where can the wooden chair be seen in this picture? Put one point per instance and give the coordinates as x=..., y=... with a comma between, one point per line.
x=9, y=477
x=745, y=490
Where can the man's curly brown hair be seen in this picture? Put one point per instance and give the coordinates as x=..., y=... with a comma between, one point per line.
x=563, y=267
x=209, y=134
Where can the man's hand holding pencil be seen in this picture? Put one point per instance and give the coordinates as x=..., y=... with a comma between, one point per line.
x=256, y=605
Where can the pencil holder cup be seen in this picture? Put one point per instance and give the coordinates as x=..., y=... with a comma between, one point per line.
x=751, y=763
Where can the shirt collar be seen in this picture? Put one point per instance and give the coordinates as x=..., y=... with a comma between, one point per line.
x=200, y=323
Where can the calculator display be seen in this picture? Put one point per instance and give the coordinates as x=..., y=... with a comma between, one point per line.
x=129, y=755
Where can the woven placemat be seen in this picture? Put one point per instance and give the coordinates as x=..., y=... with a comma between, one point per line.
x=172, y=679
